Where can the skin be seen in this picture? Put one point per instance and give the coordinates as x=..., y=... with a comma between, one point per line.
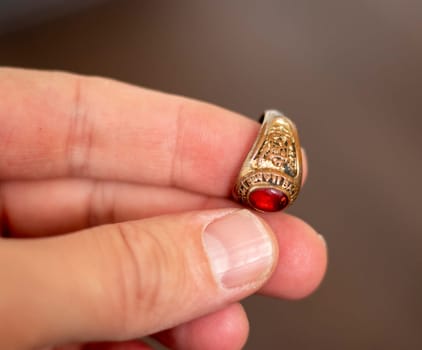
x=87, y=161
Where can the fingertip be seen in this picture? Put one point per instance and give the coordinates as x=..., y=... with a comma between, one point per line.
x=302, y=259
x=226, y=329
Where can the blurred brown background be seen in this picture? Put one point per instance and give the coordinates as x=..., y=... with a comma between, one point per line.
x=349, y=73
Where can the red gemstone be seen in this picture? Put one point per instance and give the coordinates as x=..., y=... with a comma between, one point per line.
x=268, y=199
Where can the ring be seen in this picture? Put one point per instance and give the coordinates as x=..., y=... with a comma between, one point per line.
x=271, y=175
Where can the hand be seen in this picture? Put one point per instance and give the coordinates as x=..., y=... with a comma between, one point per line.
x=143, y=181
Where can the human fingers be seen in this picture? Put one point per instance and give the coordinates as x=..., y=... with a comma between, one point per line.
x=302, y=262
x=131, y=279
x=64, y=125
x=302, y=258
x=225, y=329
x=56, y=206
x=52, y=207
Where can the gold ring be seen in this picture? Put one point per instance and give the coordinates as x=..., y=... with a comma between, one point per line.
x=271, y=175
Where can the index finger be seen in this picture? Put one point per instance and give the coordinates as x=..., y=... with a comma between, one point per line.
x=63, y=125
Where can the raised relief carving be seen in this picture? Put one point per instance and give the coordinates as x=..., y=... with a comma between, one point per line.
x=278, y=151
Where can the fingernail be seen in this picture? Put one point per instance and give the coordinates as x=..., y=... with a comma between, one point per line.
x=240, y=249
x=321, y=237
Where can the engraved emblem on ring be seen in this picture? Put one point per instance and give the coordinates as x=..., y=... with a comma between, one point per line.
x=271, y=175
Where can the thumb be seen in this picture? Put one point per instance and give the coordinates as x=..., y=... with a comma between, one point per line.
x=130, y=279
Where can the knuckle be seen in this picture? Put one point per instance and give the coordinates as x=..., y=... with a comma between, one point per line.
x=179, y=134
x=145, y=271
x=80, y=133
x=100, y=204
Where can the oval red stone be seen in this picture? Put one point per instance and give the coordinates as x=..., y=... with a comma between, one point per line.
x=268, y=199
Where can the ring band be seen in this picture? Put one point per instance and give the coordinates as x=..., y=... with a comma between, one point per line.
x=271, y=175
